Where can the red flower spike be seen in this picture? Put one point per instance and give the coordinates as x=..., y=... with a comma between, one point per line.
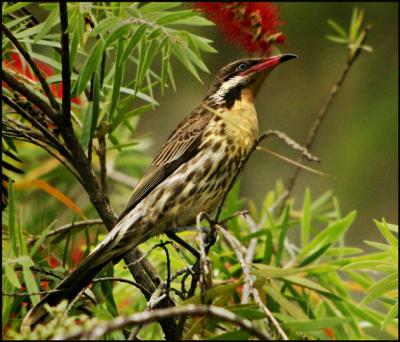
x=17, y=64
x=251, y=25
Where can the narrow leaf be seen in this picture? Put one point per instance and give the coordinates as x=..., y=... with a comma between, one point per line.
x=58, y=195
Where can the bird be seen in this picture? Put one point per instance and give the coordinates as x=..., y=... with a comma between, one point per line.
x=189, y=175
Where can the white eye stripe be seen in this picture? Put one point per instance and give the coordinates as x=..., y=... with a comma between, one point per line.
x=218, y=97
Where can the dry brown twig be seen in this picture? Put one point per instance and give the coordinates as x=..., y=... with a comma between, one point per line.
x=146, y=317
x=352, y=57
x=240, y=251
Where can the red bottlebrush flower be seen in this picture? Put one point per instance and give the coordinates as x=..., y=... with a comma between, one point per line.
x=16, y=64
x=53, y=262
x=76, y=255
x=252, y=25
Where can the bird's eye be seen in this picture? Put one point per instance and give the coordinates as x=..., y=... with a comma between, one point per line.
x=242, y=66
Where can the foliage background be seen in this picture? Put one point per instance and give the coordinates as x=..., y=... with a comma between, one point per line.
x=357, y=145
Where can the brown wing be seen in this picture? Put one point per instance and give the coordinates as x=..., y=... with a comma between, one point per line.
x=181, y=146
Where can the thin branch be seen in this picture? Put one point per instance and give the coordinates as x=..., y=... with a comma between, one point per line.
x=73, y=226
x=122, y=280
x=240, y=251
x=145, y=255
x=326, y=105
x=30, y=95
x=33, y=65
x=250, y=254
x=38, y=125
x=151, y=316
x=65, y=71
x=163, y=246
x=103, y=164
x=205, y=272
x=290, y=161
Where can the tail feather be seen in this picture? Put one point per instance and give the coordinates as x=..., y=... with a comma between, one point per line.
x=113, y=247
x=69, y=287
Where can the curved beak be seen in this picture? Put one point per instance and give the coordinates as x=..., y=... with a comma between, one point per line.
x=268, y=63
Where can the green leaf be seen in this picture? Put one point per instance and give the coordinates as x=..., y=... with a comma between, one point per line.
x=30, y=284
x=39, y=241
x=195, y=21
x=12, y=276
x=337, y=28
x=175, y=16
x=51, y=20
x=107, y=24
x=11, y=221
x=316, y=324
x=24, y=260
x=182, y=56
x=249, y=311
x=10, y=24
x=138, y=111
x=29, y=31
x=240, y=335
x=337, y=39
x=268, y=248
x=203, y=43
x=158, y=6
x=7, y=9
x=315, y=255
x=307, y=283
x=118, y=78
x=138, y=94
x=92, y=113
x=380, y=288
x=306, y=218
x=197, y=60
x=391, y=315
x=328, y=236
x=165, y=52
x=90, y=65
x=282, y=236
x=385, y=231
x=137, y=36
x=117, y=34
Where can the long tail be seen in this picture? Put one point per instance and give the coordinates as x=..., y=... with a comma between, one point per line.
x=113, y=247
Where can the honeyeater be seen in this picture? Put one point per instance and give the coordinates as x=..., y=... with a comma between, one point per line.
x=190, y=174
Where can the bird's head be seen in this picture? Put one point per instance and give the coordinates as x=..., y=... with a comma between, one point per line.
x=242, y=75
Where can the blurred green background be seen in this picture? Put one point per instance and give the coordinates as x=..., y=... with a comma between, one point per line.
x=358, y=141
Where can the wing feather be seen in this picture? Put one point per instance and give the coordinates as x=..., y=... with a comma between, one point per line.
x=181, y=146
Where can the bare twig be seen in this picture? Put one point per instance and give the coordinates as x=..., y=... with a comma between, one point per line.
x=33, y=65
x=240, y=251
x=250, y=254
x=73, y=226
x=31, y=96
x=290, y=161
x=22, y=294
x=352, y=57
x=103, y=164
x=205, y=273
x=38, y=125
x=151, y=316
x=163, y=246
x=145, y=255
x=122, y=280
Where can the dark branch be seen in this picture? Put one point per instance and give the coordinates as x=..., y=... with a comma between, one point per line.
x=66, y=74
x=151, y=316
x=30, y=95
